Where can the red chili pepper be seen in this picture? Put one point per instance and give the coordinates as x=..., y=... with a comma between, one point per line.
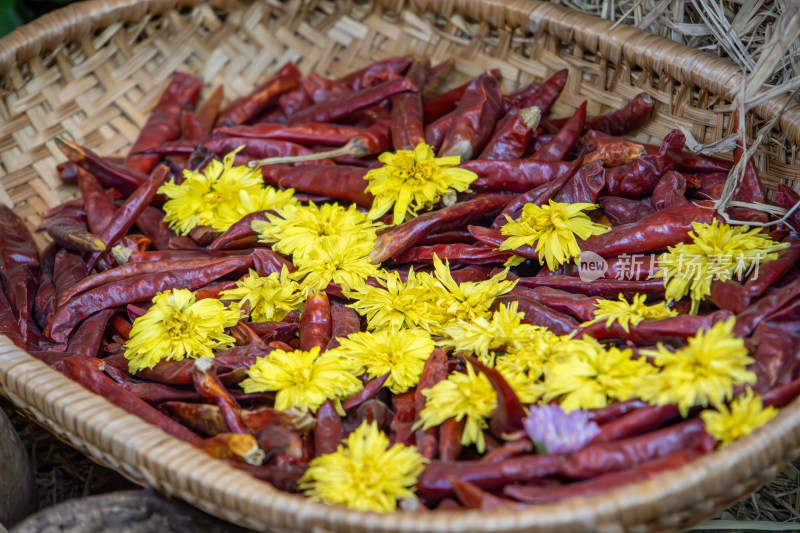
x=151, y=222
x=773, y=302
x=434, y=371
x=546, y=94
x=370, y=389
x=315, y=322
x=508, y=450
x=274, y=331
x=607, y=288
x=44, y=304
x=512, y=135
x=89, y=335
x=69, y=269
x=264, y=97
x=466, y=254
x=336, y=109
x=203, y=418
x=473, y=497
x=340, y=181
x=788, y=198
x=203, y=235
x=68, y=172
x=614, y=411
x=613, y=151
x=137, y=289
x=344, y=321
x=450, y=439
x=438, y=106
x=126, y=215
x=577, y=305
x=169, y=255
x=289, y=104
x=637, y=422
x=376, y=73
x=207, y=385
x=494, y=238
x=509, y=413
x=240, y=233
x=624, y=210
x=99, y=206
x=448, y=237
x=670, y=191
x=110, y=173
x=121, y=326
x=474, y=118
x=281, y=477
x=619, y=122
x=584, y=185
x=749, y=186
x=541, y=315
x=69, y=230
x=781, y=396
x=558, y=147
x=208, y=111
x=640, y=176
x=158, y=393
x=309, y=134
x=100, y=384
x=435, y=131
x=403, y=405
x=399, y=238
x=328, y=432
x=164, y=124
x=8, y=323
x=407, y=122
x=19, y=265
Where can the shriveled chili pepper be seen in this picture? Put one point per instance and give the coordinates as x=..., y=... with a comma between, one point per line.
x=376, y=73
x=494, y=238
x=640, y=176
x=207, y=384
x=309, y=134
x=450, y=439
x=370, y=389
x=340, y=181
x=749, y=185
x=8, y=323
x=126, y=215
x=99, y=206
x=68, y=228
x=781, y=396
x=203, y=235
x=274, y=331
x=541, y=315
x=613, y=151
x=788, y=198
x=772, y=302
x=407, y=122
x=565, y=139
x=169, y=255
x=619, y=122
x=512, y=134
x=151, y=222
x=399, y=238
x=442, y=104
x=69, y=270
x=19, y=264
x=100, y=384
x=583, y=186
x=315, y=322
x=637, y=422
x=110, y=173
x=344, y=321
x=435, y=131
x=468, y=254
x=473, y=497
x=44, y=304
x=546, y=94
x=164, y=124
x=263, y=97
x=434, y=371
x=670, y=191
x=203, y=418
x=611, y=412
x=624, y=210
x=508, y=450
x=402, y=422
x=239, y=233
x=207, y=112
x=89, y=335
x=474, y=117
x=328, y=432
x=448, y=237
x=607, y=288
x=509, y=413
x=137, y=289
x=578, y=305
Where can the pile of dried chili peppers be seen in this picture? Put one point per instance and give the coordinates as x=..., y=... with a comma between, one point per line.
x=383, y=296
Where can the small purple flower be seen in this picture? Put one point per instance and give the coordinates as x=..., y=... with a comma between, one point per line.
x=555, y=431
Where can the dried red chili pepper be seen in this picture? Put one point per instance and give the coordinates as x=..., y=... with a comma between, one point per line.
x=274, y=331
x=99, y=206
x=19, y=265
x=619, y=122
x=781, y=396
x=558, y=147
x=579, y=306
x=309, y=134
x=462, y=236
x=474, y=118
x=315, y=322
x=207, y=112
x=545, y=95
x=100, y=384
x=399, y=238
x=607, y=288
x=614, y=411
x=137, y=289
x=512, y=134
x=8, y=323
x=748, y=188
x=637, y=422
x=613, y=151
x=263, y=97
x=624, y=210
x=340, y=181
x=450, y=439
x=640, y=176
x=435, y=131
x=44, y=304
x=788, y=198
x=438, y=106
x=508, y=415
x=670, y=191
x=773, y=302
x=110, y=173
x=541, y=315
x=207, y=384
x=402, y=422
x=370, y=389
x=69, y=270
x=328, y=432
x=434, y=371
x=467, y=254
x=407, y=122
x=164, y=124
x=239, y=233
x=69, y=230
x=494, y=238
x=151, y=222
x=344, y=321
x=583, y=186
x=89, y=335
x=375, y=73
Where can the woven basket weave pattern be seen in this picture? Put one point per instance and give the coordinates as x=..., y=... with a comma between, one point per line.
x=93, y=72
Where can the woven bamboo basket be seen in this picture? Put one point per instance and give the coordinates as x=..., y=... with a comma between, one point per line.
x=93, y=70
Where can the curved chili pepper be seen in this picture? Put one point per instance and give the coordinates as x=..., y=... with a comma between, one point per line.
x=546, y=94
x=577, y=305
x=375, y=73
x=207, y=384
x=584, y=185
x=773, y=302
x=541, y=315
x=207, y=112
x=340, y=181
x=99, y=206
x=434, y=371
x=624, y=210
x=613, y=151
x=239, y=233
x=435, y=131
x=137, y=256
x=164, y=124
x=450, y=439
x=137, y=289
x=609, y=413
x=44, y=304
x=508, y=450
x=509, y=413
x=399, y=238
x=619, y=122
x=512, y=134
x=516, y=175
x=474, y=118
x=462, y=236
x=607, y=288
x=670, y=191
x=473, y=497
x=407, y=122
x=19, y=264
x=494, y=238
x=748, y=188
x=87, y=338
x=370, y=389
x=467, y=254
x=68, y=229
x=640, y=176
x=637, y=422
x=203, y=418
x=344, y=321
x=274, y=331
x=263, y=97
x=558, y=147
x=328, y=432
x=110, y=173
x=309, y=134
x=438, y=106
x=99, y=383
x=402, y=422
x=69, y=270
x=315, y=322
x=151, y=222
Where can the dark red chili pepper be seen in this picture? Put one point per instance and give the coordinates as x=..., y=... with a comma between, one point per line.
x=787, y=197
x=315, y=322
x=545, y=95
x=151, y=222
x=274, y=331
x=640, y=176
x=748, y=188
x=541, y=315
x=434, y=371
x=578, y=305
x=336, y=109
x=344, y=321
x=207, y=385
x=19, y=265
x=89, y=335
x=328, y=432
x=781, y=396
x=110, y=173
x=508, y=450
x=584, y=185
x=169, y=255
x=637, y=422
x=403, y=406
x=8, y=323
x=239, y=233
x=652, y=233
x=203, y=235
x=69, y=230
x=474, y=118
x=670, y=191
x=265, y=262
x=509, y=413
x=614, y=411
x=203, y=418
x=473, y=497
x=771, y=303
x=263, y=97
x=558, y=147
x=407, y=122
x=376, y=73
x=121, y=326
x=44, y=304
x=450, y=439
x=494, y=238
x=309, y=134
x=467, y=254
x=371, y=388
x=68, y=172
x=455, y=236
x=607, y=288
x=137, y=289
x=512, y=135
x=435, y=131
x=613, y=151
x=438, y=106
x=619, y=122
x=624, y=210
x=340, y=181
x=164, y=123
x=281, y=477
x=399, y=238
x=99, y=206
x=100, y=384
x=288, y=104
x=208, y=111
x=126, y=215
x=603, y=483
x=69, y=270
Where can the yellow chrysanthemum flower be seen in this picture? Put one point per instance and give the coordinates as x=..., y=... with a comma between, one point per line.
x=553, y=228
x=717, y=252
x=463, y=301
x=703, y=372
x=746, y=414
x=178, y=326
x=343, y=260
x=269, y=297
x=263, y=199
x=629, y=314
x=414, y=180
x=402, y=353
x=461, y=396
x=303, y=379
x=298, y=230
x=208, y=198
x=525, y=363
x=397, y=304
x=364, y=473
x=590, y=378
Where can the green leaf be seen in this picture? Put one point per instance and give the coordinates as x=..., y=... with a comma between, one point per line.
x=9, y=18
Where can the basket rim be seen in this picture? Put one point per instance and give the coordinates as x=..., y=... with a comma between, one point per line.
x=770, y=445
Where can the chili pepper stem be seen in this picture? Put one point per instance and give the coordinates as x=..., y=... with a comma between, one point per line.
x=121, y=254
x=353, y=148
x=531, y=116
